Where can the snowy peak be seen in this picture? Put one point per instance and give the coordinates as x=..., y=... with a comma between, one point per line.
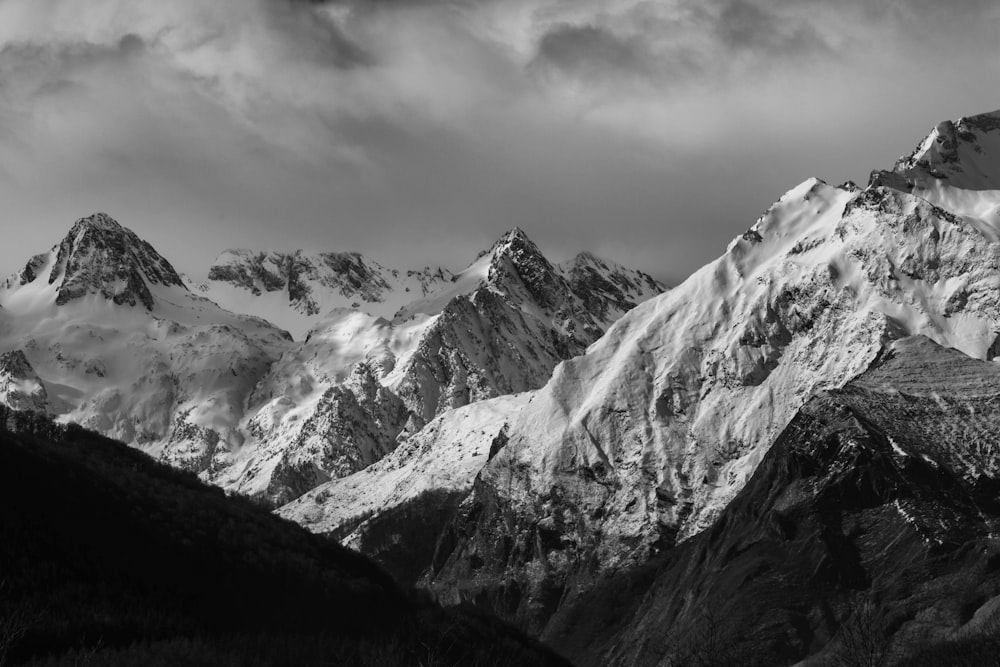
x=964, y=153
x=608, y=289
x=293, y=289
x=99, y=256
x=515, y=258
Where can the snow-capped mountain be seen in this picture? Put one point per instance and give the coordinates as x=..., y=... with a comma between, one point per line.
x=103, y=331
x=641, y=442
x=99, y=256
x=294, y=290
x=358, y=383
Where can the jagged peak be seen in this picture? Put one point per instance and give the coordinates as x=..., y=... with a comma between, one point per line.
x=514, y=233
x=97, y=222
x=511, y=238
x=516, y=246
x=100, y=256
x=586, y=258
x=964, y=153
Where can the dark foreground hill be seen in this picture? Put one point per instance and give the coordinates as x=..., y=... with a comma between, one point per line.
x=107, y=557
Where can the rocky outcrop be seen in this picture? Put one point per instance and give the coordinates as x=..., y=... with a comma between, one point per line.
x=353, y=425
x=20, y=386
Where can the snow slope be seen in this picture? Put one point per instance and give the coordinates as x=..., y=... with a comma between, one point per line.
x=642, y=441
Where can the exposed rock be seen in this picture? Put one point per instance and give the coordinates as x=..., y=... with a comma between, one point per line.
x=99, y=256
x=20, y=386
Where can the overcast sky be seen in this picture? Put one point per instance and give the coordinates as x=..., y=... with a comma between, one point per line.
x=417, y=131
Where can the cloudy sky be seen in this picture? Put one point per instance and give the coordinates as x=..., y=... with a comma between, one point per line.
x=419, y=130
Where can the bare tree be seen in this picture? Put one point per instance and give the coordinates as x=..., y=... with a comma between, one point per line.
x=13, y=623
x=712, y=644
x=863, y=639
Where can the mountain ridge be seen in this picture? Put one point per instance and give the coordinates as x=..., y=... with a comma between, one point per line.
x=640, y=443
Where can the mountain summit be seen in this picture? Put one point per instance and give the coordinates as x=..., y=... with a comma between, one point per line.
x=963, y=153
x=99, y=256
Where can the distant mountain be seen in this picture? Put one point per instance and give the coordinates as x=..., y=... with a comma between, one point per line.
x=295, y=290
x=110, y=558
x=104, y=332
x=99, y=256
x=640, y=443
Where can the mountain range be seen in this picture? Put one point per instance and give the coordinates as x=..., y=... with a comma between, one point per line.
x=792, y=455
x=102, y=331
x=639, y=446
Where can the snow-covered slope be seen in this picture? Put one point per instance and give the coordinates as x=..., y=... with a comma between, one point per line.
x=294, y=290
x=498, y=328
x=101, y=331
x=642, y=441
x=445, y=456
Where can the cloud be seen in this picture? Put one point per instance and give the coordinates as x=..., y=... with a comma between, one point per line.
x=654, y=129
x=746, y=26
x=592, y=49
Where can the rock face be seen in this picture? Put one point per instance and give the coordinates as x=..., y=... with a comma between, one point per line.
x=99, y=256
x=20, y=386
x=872, y=517
x=640, y=443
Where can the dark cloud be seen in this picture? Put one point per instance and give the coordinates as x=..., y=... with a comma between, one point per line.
x=746, y=26
x=716, y=38
x=314, y=37
x=590, y=49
